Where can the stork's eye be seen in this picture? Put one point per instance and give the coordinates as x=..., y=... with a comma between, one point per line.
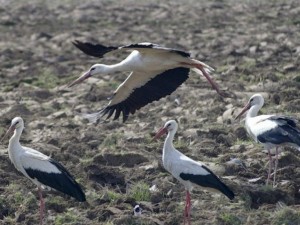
x=16, y=122
x=92, y=69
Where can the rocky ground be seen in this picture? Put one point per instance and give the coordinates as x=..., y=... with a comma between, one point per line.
x=254, y=47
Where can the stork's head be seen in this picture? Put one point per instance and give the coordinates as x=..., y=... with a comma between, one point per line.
x=95, y=69
x=16, y=123
x=170, y=126
x=256, y=100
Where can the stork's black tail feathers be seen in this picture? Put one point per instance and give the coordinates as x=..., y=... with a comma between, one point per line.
x=65, y=183
x=96, y=50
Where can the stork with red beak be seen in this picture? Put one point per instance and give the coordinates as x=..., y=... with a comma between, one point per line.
x=42, y=170
x=156, y=72
x=188, y=171
x=270, y=130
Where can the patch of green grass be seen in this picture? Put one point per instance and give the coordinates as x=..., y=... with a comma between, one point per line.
x=2, y=201
x=8, y=220
x=111, y=141
x=10, y=87
x=2, y=131
x=19, y=197
x=230, y=219
x=266, y=188
x=248, y=63
x=31, y=202
x=247, y=201
x=286, y=216
x=56, y=203
x=180, y=144
x=86, y=161
x=46, y=79
x=297, y=78
x=130, y=220
x=223, y=68
x=279, y=75
x=108, y=223
x=66, y=218
x=113, y=196
x=243, y=142
x=140, y=192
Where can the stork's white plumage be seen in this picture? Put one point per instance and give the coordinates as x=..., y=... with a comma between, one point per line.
x=42, y=170
x=186, y=170
x=155, y=73
x=270, y=130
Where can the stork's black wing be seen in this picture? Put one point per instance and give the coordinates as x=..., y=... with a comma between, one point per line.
x=209, y=180
x=98, y=50
x=131, y=96
x=286, y=131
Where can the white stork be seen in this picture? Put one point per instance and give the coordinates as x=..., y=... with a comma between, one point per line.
x=39, y=168
x=155, y=73
x=186, y=170
x=270, y=130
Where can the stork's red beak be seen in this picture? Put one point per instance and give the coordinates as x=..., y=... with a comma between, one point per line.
x=9, y=131
x=85, y=76
x=161, y=132
x=246, y=108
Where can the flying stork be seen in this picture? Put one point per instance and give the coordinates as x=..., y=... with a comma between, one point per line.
x=186, y=170
x=156, y=72
x=270, y=130
x=42, y=170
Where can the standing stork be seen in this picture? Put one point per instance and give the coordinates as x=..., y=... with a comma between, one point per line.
x=39, y=168
x=155, y=73
x=186, y=170
x=270, y=130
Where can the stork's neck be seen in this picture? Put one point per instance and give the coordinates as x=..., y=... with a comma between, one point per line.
x=15, y=139
x=253, y=111
x=121, y=66
x=168, y=145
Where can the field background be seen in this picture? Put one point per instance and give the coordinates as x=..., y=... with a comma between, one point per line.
x=254, y=47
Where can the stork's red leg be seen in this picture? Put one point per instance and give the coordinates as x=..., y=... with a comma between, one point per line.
x=189, y=207
x=275, y=169
x=201, y=68
x=185, y=214
x=212, y=83
x=270, y=166
x=42, y=206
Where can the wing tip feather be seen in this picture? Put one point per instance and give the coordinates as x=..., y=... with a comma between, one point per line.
x=92, y=117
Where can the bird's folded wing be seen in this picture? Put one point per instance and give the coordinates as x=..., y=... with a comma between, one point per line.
x=52, y=174
x=33, y=160
x=206, y=178
x=284, y=120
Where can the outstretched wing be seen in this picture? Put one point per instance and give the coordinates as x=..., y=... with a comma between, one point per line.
x=98, y=50
x=139, y=90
